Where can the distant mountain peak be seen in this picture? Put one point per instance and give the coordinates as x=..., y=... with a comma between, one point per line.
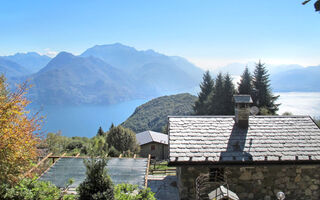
x=64, y=54
x=31, y=53
x=32, y=61
x=113, y=46
x=152, y=52
x=112, y=73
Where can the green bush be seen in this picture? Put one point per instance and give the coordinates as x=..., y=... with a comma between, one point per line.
x=132, y=192
x=97, y=185
x=74, y=145
x=30, y=189
x=123, y=139
x=113, y=152
x=69, y=197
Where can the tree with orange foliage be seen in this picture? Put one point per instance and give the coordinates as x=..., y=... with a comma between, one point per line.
x=18, y=133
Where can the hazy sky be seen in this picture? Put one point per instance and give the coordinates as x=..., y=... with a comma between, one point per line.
x=209, y=33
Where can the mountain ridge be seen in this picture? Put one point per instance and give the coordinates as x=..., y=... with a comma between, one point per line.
x=12, y=69
x=106, y=74
x=153, y=115
x=30, y=60
x=70, y=79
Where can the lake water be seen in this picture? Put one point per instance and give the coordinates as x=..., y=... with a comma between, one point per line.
x=300, y=103
x=85, y=120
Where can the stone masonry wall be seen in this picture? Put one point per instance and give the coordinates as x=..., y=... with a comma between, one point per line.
x=298, y=182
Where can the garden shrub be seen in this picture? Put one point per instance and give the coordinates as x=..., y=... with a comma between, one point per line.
x=30, y=189
x=126, y=191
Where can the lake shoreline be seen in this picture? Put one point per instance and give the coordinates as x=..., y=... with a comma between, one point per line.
x=84, y=120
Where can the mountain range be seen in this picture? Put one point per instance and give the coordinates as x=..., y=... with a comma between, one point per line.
x=12, y=69
x=103, y=74
x=69, y=79
x=297, y=80
x=107, y=74
x=31, y=61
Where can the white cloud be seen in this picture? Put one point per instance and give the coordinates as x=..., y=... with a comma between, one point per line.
x=48, y=52
x=235, y=80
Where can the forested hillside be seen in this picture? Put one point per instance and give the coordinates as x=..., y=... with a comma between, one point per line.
x=153, y=115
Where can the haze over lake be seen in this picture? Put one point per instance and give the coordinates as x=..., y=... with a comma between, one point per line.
x=300, y=103
x=85, y=120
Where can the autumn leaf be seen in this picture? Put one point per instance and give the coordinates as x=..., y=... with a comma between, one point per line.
x=19, y=133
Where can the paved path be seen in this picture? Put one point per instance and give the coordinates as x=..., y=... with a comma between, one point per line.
x=164, y=187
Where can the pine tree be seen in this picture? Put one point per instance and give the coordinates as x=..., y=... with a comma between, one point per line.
x=229, y=91
x=100, y=131
x=111, y=126
x=262, y=95
x=216, y=99
x=201, y=107
x=245, y=85
x=97, y=185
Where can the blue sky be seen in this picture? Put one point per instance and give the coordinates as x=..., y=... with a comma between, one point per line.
x=209, y=33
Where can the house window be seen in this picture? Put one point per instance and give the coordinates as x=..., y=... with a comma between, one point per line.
x=153, y=147
x=216, y=175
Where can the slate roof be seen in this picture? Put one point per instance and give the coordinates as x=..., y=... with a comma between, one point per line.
x=242, y=99
x=151, y=136
x=217, y=139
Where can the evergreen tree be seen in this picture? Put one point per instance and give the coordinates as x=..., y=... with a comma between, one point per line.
x=245, y=85
x=216, y=99
x=100, y=131
x=229, y=91
x=111, y=126
x=97, y=185
x=262, y=95
x=201, y=106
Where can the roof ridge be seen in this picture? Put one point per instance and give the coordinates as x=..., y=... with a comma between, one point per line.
x=232, y=116
x=156, y=132
x=149, y=131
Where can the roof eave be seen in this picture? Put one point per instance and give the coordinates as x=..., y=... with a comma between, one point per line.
x=152, y=142
x=245, y=163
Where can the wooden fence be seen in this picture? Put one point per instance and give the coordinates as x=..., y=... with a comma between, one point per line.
x=161, y=168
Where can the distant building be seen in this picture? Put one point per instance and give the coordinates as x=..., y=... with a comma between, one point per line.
x=153, y=143
x=253, y=156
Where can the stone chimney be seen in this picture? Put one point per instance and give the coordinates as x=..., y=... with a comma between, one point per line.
x=242, y=110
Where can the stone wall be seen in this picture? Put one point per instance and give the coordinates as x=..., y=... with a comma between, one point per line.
x=298, y=182
x=160, y=152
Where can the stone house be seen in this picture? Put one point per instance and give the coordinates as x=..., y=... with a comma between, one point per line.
x=153, y=143
x=254, y=156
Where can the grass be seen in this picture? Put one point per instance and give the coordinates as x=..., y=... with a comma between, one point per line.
x=161, y=168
